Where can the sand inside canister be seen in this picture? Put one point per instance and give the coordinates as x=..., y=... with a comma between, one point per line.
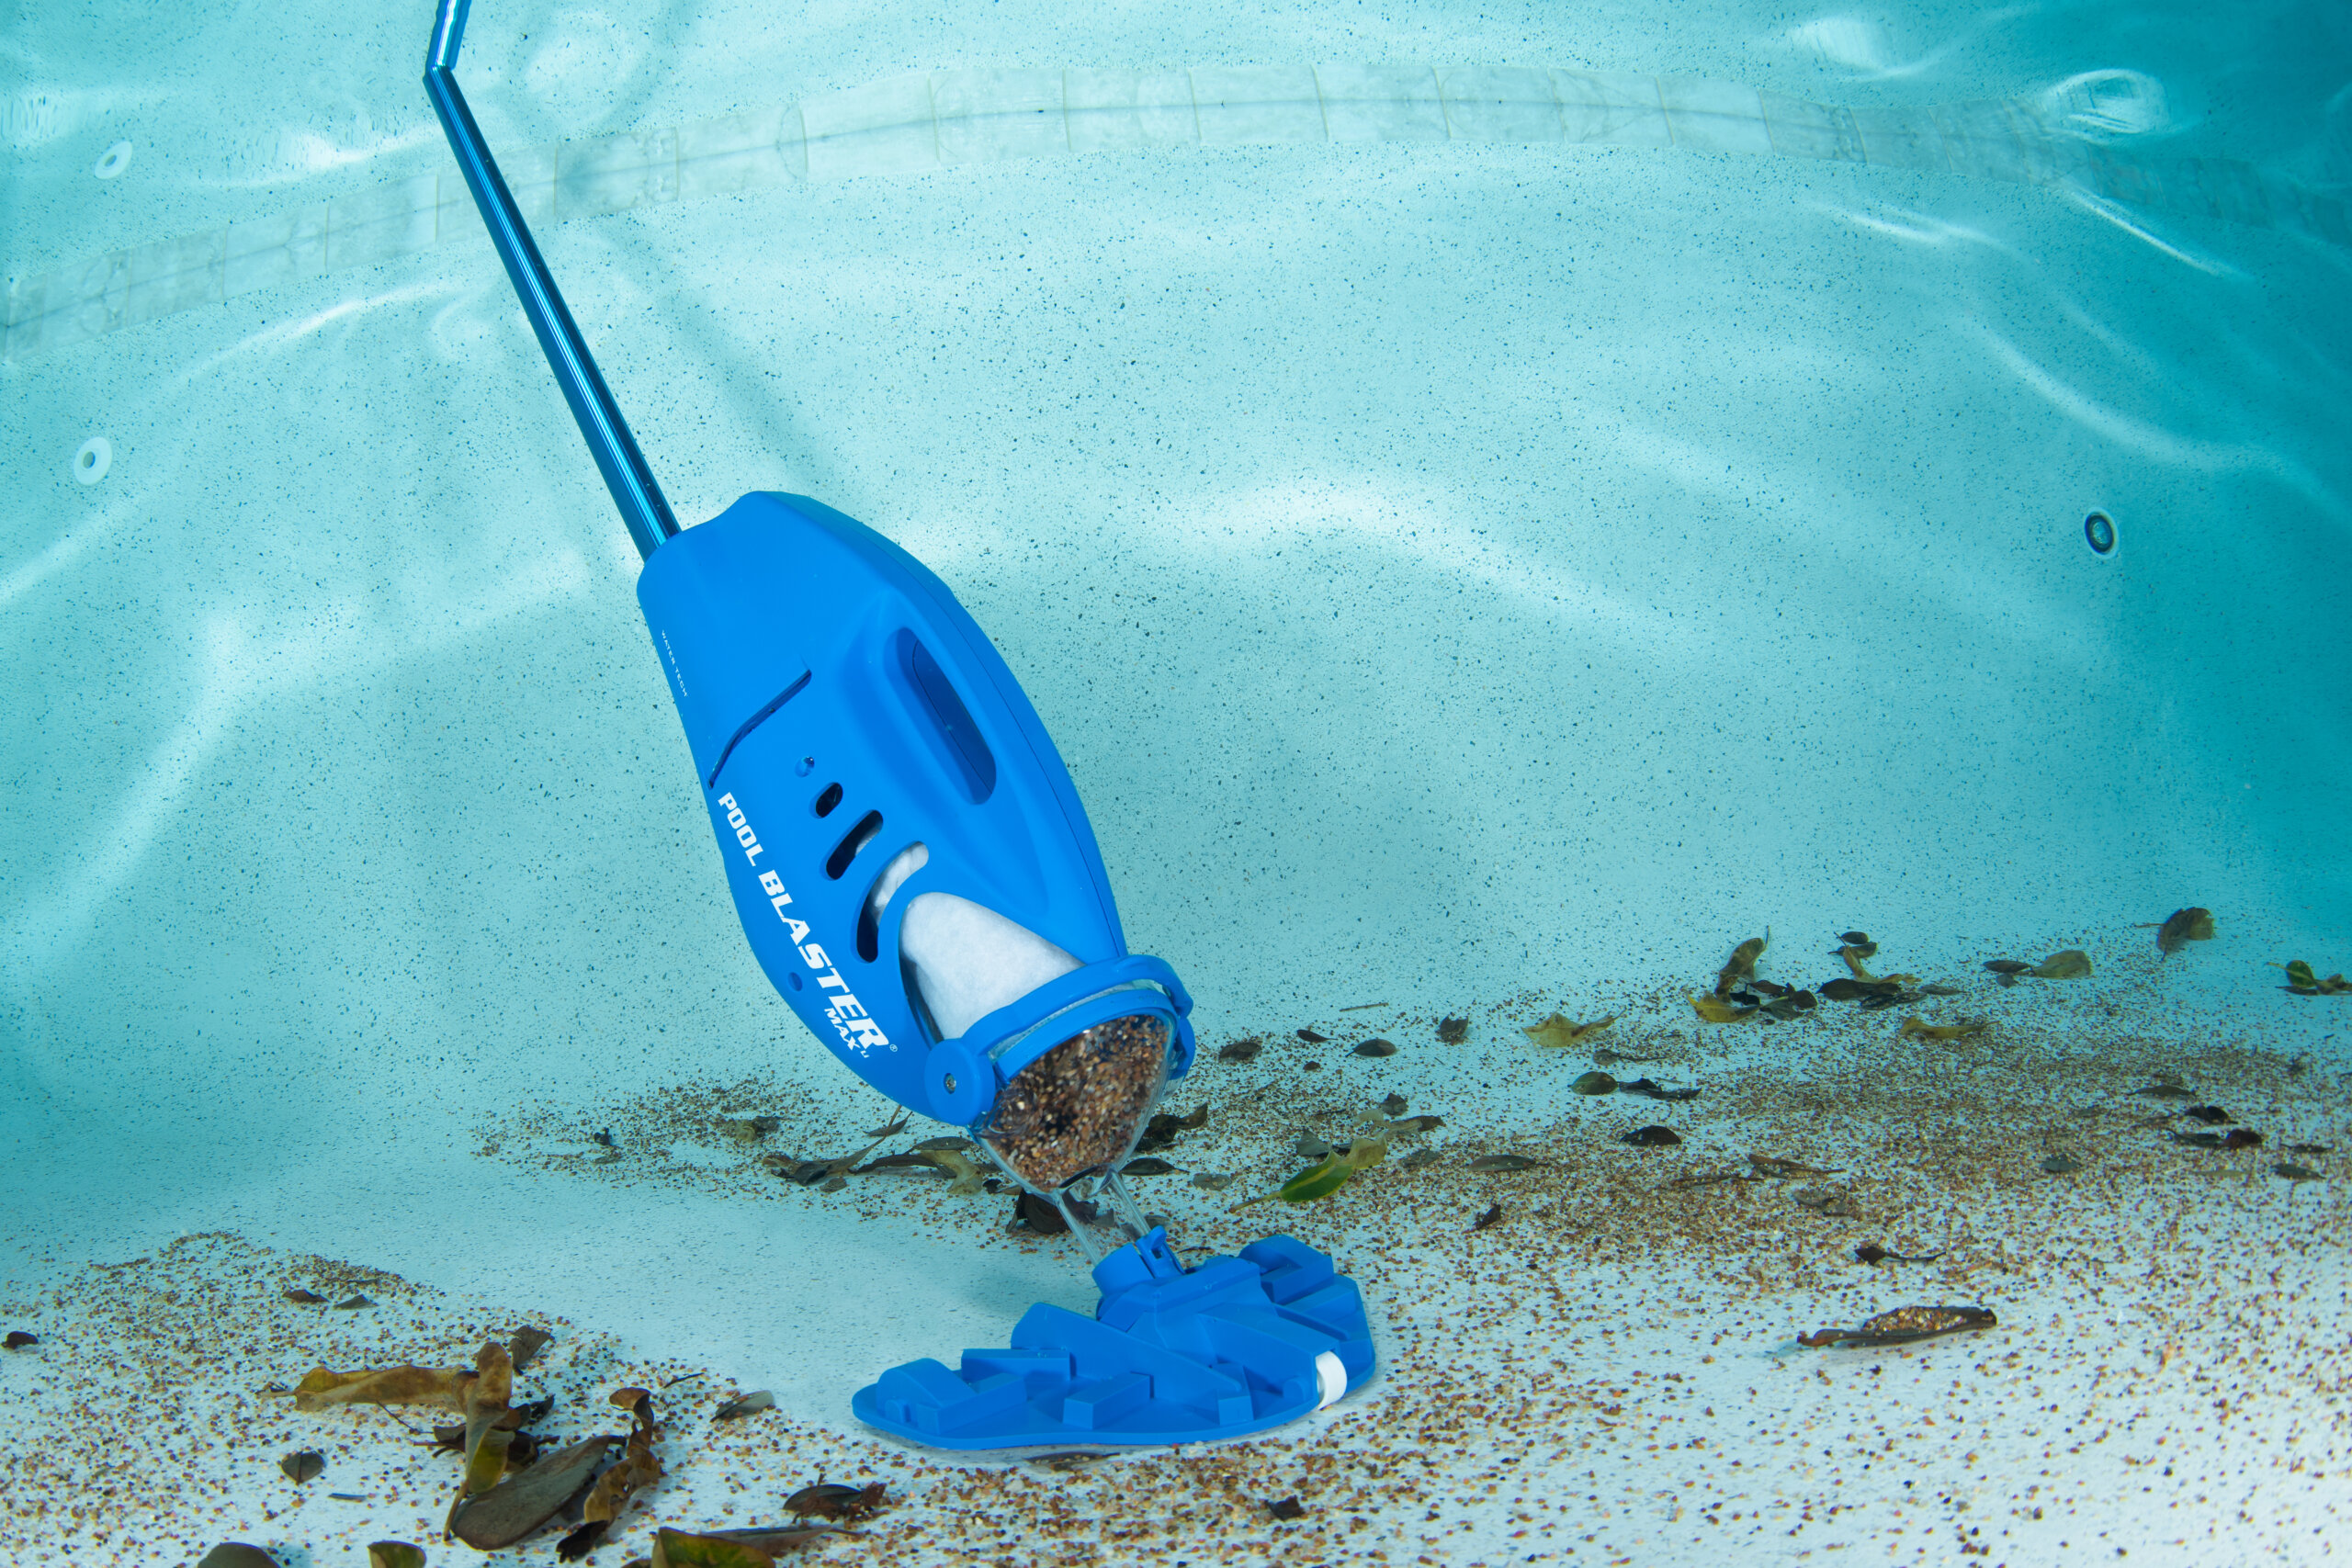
x=1078, y=1108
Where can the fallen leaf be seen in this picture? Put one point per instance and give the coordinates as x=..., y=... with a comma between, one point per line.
x=1320, y=1179
x=746, y=1404
x=966, y=1176
x=525, y=1347
x=1653, y=1137
x=2006, y=965
x=352, y=1303
x=1394, y=1105
x=1594, y=1082
x=2072, y=963
x=1286, y=1508
x=237, y=1555
x=2292, y=1171
x=1904, y=1326
x=1148, y=1166
x=1420, y=1157
x=1715, y=1010
x=1240, y=1050
x=1453, y=1031
x=19, y=1340
x=2182, y=927
x=745, y=1129
x=1925, y=1031
x=1492, y=1216
x=1215, y=1183
x=1773, y=1165
x=444, y=1388
x=1376, y=1048
x=1742, y=963
x=1651, y=1091
x=304, y=1464
x=833, y=1500
x=1504, y=1163
x=1854, y=957
x=1562, y=1033
x=1312, y=1038
x=1310, y=1144
x=394, y=1555
x=303, y=1298
x=683, y=1549
x=1833, y=1201
x=1856, y=939
x=2061, y=1164
x=2304, y=981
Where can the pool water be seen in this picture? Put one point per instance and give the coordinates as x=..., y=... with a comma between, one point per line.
x=1484, y=547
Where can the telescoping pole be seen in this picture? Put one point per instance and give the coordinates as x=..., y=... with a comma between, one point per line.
x=643, y=506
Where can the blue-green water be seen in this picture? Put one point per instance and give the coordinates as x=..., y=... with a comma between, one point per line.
x=1470, y=575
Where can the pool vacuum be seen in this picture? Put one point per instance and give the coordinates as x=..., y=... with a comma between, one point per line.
x=916, y=876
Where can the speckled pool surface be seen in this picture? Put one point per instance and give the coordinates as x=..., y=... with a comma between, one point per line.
x=1476, y=575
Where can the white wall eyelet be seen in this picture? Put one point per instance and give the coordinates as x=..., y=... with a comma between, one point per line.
x=116, y=159
x=91, y=463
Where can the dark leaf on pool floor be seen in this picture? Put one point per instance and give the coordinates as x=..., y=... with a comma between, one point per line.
x=1420, y=1157
x=1594, y=1082
x=1147, y=1165
x=304, y=1298
x=2242, y=1138
x=526, y=1345
x=1773, y=1165
x=693, y=1548
x=1742, y=962
x=1310, y=1145
x=304, y=1464
x=889, y=1130
x=394, y=1555
x=1653, y=1090
x=1790, y=1005
x=2061, y=1165
x=1453, y=1031
x=1843, y=991
x=831, y=1500
x=352, y=1303
x=1653, y=1137
x=1490, y=1163
x=1892, y=998
x=1939, y=990
x=583, y=1541
x=237, y=1555
x=745, y=1129
x=1392, y=1105
x=1871, y=1252
x=1212, y=1181
x=2311, y=1148
x=2072, y=963
x=1286, y=1508
x=1376, y=1048
x=2292, y=1171
x=911, y=1160
x=2304, y=981
x=1855, y=938
x=949, y=1142
x=1417, y=1124
x=1312, y=1067
x=604, y=1136
x=2238, y=1138
x=1492, y=1216
x=1904, y=1326
x=1045, y=1219
x=2182, y=927
x=745, y=1405
x=1312, y=1038
x=2212, y=1115
x=445, y=1387
x=2006, y=965
x=19, y=1340
x=1240, y=1050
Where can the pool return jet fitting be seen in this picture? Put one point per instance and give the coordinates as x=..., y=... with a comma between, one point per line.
x=916, y=876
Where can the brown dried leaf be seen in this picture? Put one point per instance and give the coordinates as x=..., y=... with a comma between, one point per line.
x=1562, y=1033
x=524, y=1348
x=394, y=1555
x=1742, y=962
x=2072, y=963
x=2182, y=927
x=638, y=1469
x=746, y=1404
x=237, y=1555
x=444, y=1387
x=304, y=1464
x=513, y=1509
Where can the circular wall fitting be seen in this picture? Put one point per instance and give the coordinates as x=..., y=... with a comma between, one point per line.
x=116, y=159
x=2100, y=532
x=91, y=463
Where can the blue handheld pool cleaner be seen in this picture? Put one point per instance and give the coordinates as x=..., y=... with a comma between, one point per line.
x=917, y=877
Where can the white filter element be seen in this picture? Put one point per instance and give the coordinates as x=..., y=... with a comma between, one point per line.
x=970, y=961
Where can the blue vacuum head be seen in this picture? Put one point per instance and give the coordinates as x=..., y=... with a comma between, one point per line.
x=867, y=759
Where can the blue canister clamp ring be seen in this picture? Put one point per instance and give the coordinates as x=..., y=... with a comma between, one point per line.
x=964, y=1076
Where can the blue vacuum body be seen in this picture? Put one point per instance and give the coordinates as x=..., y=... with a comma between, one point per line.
x=843, y=709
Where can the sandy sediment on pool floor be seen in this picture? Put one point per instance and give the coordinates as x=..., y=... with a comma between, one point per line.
x=1606, y=1373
